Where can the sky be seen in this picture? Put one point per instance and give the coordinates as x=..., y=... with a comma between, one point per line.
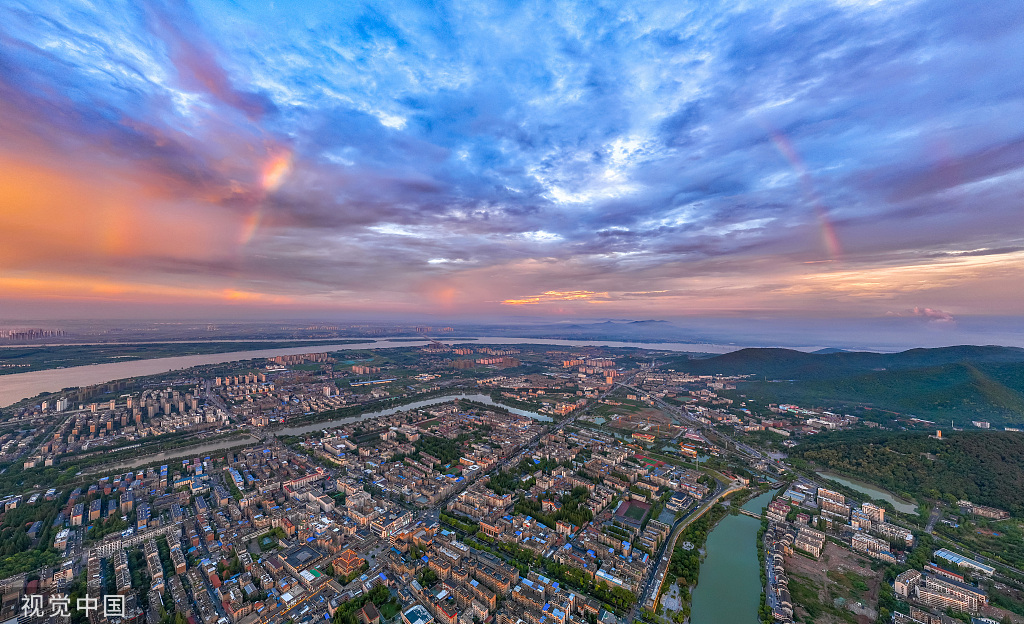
x=816, y=159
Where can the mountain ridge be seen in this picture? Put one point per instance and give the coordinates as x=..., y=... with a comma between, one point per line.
x=963, y=383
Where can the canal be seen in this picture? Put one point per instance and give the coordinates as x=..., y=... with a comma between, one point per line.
x=729, y=588
x=479, y=398
x=201, y=450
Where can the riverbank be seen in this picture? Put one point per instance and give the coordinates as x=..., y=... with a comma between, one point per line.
x=26, y=359
x=223, y=444
x=686, y=554
x=333, y=420
x=20, y=386
x=763, y=610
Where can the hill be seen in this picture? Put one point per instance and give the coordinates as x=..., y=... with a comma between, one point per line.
x=984, y=467
x=962, y=383
x=790, y=364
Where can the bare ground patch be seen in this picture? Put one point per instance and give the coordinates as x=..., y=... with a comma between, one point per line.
x=838, y=587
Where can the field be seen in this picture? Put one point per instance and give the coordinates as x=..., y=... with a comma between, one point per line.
x=839, y=587
x=635, y=513
x=647, y=461
x=635, y=510
x=626, y=407
x=646, y=420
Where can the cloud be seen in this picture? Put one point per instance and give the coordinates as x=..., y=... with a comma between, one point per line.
x=195, y=59
x=555, y=296
x=928, y=314
x=691, y=156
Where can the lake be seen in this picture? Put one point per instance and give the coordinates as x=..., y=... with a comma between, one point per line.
x=899, y=504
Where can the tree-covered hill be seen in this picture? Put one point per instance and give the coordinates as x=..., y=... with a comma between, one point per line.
x=985, y=467
x=954, y=383
x=776, y=364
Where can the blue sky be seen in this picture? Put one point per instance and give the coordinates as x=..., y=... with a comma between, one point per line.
x=805, y=158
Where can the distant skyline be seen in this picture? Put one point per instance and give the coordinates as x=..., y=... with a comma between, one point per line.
x=882, y=334
x=846, y=160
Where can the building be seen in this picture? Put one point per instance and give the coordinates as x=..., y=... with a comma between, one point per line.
x=417, y=614
x=964, y=562
x=777, y=511
x=893, y=533
x=985, y=512
x=829, y=495
x=348, y=563
x=860, y=520
x=830, y=506
x=944, y=593
x=874, y=512
x=873, y=547
x=369, y=614
x=906, y=583
x=810, y=541
x=298, y=558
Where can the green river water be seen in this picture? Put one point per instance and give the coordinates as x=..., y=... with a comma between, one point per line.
x=729, y=588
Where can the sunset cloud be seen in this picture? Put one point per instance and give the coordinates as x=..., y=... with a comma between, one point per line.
x=553, y=295
x=928, y=314
x=678, y=157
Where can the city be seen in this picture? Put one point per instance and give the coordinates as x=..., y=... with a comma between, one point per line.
x=458, y=483
x=476, y=312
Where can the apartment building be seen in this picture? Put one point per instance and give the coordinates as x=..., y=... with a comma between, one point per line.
x=873, y=547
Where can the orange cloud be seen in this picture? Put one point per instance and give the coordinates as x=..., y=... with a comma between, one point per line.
x=276, y=170
x=245, y=296
x=47, y=286
x=52, y=218
x=555, y=295
x=966, y=272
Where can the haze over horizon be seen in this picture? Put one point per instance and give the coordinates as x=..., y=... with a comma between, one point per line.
x=855, y=161
x=718, y=334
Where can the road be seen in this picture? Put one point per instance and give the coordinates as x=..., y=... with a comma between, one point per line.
x=933, y=518
x=655, y=577
x=739, y=446
x=515, y=457
x=769, y=570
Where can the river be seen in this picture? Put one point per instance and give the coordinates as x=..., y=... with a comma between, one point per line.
x=479, y=398
x=187, y=451
x=203, y=449
x=14, y=388
x=729, y=588
x=898, y=503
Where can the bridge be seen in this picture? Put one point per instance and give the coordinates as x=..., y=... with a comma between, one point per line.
x=749, y=513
